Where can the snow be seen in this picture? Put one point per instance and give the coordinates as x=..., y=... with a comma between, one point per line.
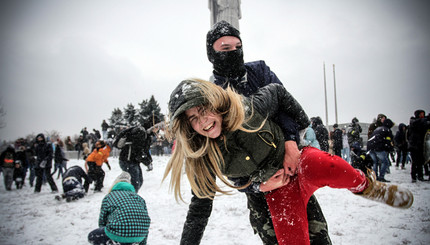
x=29, y=218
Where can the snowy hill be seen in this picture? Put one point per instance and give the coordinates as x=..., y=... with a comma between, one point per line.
x=28, y=218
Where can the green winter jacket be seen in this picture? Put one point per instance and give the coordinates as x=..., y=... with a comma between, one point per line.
x=259, y=155
x=124, y=215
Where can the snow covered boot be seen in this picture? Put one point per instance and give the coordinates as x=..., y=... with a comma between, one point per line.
x=389, y=194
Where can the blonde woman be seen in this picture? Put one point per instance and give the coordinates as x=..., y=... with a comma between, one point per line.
x=220, y=133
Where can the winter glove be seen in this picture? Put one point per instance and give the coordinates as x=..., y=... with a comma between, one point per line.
x=107, y=163
x=43, y=164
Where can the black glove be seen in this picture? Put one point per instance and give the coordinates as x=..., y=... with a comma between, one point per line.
x=107, y=163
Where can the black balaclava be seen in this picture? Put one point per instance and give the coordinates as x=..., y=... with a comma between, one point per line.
x=228, y=64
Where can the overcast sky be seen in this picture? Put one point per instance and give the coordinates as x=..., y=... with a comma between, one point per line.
x=65, y=65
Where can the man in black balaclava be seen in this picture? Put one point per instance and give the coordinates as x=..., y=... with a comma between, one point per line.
x=224, y=51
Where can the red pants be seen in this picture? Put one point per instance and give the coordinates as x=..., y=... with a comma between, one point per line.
x=288, y=204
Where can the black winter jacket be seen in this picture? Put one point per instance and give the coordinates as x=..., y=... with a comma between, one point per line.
x=78, y=173
x=337, y=139
x=417, y=131
x=132, y=142
x=258, y=75
x=43, y=152
x=382, y=138
x=400, y=140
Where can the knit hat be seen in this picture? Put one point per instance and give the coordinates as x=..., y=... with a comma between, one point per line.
x=123, y=177
x=220, y=29
x=388, y=123
x=418, y=112
x=185, y=96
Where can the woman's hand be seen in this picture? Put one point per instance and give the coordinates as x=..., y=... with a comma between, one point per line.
x=278, y=180
x=291, y=158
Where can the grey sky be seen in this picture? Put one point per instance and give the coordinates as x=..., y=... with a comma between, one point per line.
x=65, y=65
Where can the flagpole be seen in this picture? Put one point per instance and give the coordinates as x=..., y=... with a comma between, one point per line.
x=325, y=95
x=335, y=97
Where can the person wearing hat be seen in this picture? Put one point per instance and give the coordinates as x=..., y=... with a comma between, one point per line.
x=419, y=124
x=353, y=132
x=379, y=145
x=123, y=216
x=336, y=137
x=43, y=152
x=221, y=134
x=376, y=123
x=225, y=52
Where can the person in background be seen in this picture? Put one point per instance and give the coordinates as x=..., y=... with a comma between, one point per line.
x=105, y=128
x=60, y=161
x=21, y=165
x=401, y=145
x=376, y=123
x=7, y=161
x=43, y=165
x=123, y=216
x=418, y=126
x=85, y=151
x=310, y=139
x=379, y=145
x=336, y=137
x=353, y=132
x=321, y=132
x=97, y=134
x=345, y=147
x=84, y=133
x=73, y=188
x=29, y=153
x=69, y=144
x=78, y=145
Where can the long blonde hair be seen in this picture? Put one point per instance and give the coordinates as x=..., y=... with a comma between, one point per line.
x=201, y=155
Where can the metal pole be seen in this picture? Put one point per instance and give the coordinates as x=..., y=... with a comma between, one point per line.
x=325, y=94
x=335, y=97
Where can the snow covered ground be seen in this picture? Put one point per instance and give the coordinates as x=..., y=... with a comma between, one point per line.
x=28, y=218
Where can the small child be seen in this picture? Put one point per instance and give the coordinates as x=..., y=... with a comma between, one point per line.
x=123, y=216
x=18, y=174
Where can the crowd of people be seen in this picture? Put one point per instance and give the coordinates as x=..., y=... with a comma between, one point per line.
x=245, y=129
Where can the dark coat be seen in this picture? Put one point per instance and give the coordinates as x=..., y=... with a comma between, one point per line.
x=337, y=139
x=133, y=144
x=400, y=140
x=78, y=173
x=258, y=75
x=59, y=155
x=382, y=138
x=8, y=157
x=377, y=123
x=256, y=156
x=417, y=130
x=353, y=133
x=43, y=152
x=321, y=133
